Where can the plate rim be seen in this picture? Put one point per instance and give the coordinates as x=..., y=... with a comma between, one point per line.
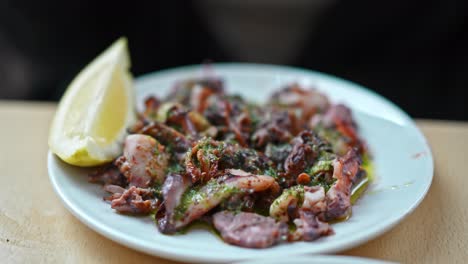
x=320, y=259
x=169, y=253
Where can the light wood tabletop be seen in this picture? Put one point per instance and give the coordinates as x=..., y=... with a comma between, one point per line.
x=36, y=228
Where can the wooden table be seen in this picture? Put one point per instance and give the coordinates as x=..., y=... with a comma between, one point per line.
x=35, y=226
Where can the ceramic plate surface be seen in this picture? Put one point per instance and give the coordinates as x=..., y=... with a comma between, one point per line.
x=318, y=259
x=402, y=160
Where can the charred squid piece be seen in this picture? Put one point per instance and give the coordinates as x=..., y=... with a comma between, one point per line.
x=196, y=202
x=285, y=205
x=149, y=114
x=298, y=197
x=247, y=159
x=168, y=137
x=277, y=127
x=304, y=102
x=300, y=157
x=172, y=190
x=306, y=147
x=232, y=116
x=137, y=126
x=218, y=111
x=309, y=227
x=209, y=158
x=240, y=121
x=200, y=123
x=239, y=202
x=178, y=116
x=306, y=206
x=201, y=93
x=195, y=92
x=278, y=153
x=252, y=202
x=144, y=161
x=152, y=105
x=338, y=127
x=241, y=126
x=134, y=200
x=315, y=201
x=201, y=162
x=264, y=199
x=249, y=230
x=108, y=175
x=345, y=170
x=114, y=189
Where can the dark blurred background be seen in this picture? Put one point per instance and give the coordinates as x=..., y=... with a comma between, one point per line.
x=412, y=52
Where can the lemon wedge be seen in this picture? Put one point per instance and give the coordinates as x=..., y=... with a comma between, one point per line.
x=98, y=105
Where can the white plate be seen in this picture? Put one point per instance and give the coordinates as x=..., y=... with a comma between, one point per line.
x=402, y=159
x=323, y=259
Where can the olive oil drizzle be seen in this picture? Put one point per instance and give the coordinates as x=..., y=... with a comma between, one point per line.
x=360, y=188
